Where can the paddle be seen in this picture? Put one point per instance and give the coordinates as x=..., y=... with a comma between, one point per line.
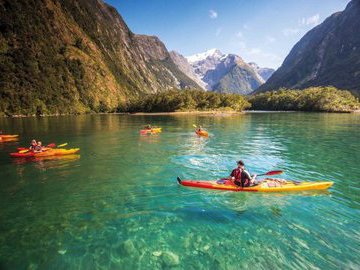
x=51, y=145
x=271, y=173
x=277, y=172
x=62, y=145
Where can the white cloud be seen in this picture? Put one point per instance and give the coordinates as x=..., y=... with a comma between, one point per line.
x=312, y=21
x=213, y=14
x=239, y=34
x=218, y=31
x=270, y=39
x=290, y=31
x=245, y=26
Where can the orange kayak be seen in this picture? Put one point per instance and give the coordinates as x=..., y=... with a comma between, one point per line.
x=264, y=186
x=7, y=137
x=203, y=133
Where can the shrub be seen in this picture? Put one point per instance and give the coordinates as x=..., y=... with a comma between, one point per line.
x=321, y=99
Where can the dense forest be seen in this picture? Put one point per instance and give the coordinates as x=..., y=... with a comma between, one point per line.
x=320, y=99
x=186, y=100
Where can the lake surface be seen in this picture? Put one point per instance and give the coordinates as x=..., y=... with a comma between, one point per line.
x=117, y=205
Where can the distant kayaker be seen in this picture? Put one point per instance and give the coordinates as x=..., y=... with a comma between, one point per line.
x=38, y=147
x=199, y=129
x=33, y=145
x=242, y=177
x=148, y=127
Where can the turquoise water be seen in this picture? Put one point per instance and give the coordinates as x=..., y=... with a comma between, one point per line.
x=117, y=205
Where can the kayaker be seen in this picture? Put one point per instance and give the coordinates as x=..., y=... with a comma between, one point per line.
x=33, y=145
x=242, y=177
x=148, y=127
x=199, y=129
x=38, y=147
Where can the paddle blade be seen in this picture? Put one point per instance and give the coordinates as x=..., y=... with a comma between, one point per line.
x=51, y=145
x=62, y=145
x=24, y=151
x=195, y=126
x=274, y=172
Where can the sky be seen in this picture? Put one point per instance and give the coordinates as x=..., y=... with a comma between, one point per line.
x=260, y=31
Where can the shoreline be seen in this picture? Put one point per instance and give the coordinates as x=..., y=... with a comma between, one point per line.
x=214, y=113
x=190, y=113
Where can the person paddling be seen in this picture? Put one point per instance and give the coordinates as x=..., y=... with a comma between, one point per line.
x=241, y=177
x=33, y=145
x=148, y=127
x=38, y=147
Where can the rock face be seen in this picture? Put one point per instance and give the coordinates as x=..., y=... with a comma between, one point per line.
x=75, y=56
x=182, y=63
x=329, y=54
x=265, y=73
x=226, y=73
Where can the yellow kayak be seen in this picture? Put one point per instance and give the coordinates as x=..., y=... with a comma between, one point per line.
x=150, y=131
x=47, y=153
x=265, y=186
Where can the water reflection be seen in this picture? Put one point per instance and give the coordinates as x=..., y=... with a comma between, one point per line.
x=50, y=162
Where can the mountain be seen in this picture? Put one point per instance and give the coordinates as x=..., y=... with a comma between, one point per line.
x=75, y=56
x=225, y=73
x=329, y=54
x=182, y=63
x=265, y=73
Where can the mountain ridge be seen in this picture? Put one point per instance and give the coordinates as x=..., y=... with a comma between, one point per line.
x=329, y=54
x=77, y=56
x=226, y=73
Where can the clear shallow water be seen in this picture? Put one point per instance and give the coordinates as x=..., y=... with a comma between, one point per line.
x=118, y=206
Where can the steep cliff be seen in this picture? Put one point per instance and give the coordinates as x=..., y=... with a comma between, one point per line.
x=329, y=54
x=74, y=56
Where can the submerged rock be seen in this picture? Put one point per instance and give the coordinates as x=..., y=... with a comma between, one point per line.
x=129, y=247
x=62, y=251
x=170, y=259
x=157, y=253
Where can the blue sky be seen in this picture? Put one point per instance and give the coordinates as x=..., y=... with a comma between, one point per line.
x=257, y=30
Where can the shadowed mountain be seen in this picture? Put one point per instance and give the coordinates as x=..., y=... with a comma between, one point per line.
x=329, y=54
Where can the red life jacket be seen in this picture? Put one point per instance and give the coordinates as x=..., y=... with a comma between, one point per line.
x=241, y=176
x=236, y=173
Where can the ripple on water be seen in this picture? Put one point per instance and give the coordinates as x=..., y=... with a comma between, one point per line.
x=118, y=206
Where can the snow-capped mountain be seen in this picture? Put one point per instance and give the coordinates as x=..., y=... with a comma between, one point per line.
x=212, y=53
x=225, y=72
x=203, y=62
